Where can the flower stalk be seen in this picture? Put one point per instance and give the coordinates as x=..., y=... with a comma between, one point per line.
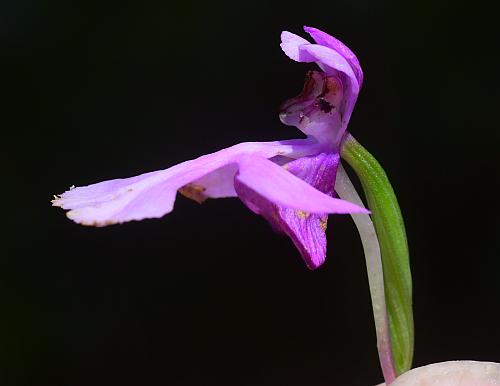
x=346, y=190
x=390, y=229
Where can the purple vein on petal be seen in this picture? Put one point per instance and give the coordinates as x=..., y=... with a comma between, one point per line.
x=304, y=221
x=285, y=189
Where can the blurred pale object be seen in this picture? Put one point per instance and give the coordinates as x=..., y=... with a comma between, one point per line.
x=454, y=373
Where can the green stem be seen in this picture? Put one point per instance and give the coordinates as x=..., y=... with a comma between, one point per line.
x=391, y=234
x=346, y=191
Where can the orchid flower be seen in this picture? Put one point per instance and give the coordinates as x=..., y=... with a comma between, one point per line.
x=290, y=183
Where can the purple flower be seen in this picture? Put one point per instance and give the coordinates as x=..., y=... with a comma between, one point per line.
x=290, y=183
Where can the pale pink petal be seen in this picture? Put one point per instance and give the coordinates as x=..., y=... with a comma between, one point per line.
x=277, y=185
x=219, y=183
x=325, y=39
x=291, y=46
x=152, y=195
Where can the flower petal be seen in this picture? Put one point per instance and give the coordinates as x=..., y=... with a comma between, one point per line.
x=305, y=229
x=333, y=57
x=277, y=185
x=330, y=61
x=216, y=184
x=291, y=46
x=327, y=57
x=152, y=195
x=327, y=40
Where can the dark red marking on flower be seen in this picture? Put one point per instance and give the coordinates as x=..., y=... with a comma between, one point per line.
x=324, y=105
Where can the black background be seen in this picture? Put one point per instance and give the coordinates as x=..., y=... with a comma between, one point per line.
x=209, y=294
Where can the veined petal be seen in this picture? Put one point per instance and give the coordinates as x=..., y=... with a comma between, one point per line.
x=279, y=186
x=306, y=228
x=152, y=195
x=325, y=39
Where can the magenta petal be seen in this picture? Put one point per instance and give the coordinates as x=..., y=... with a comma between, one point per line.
x=325, y=39
x=306, y=229
x=327, y=57
x=279, y=186
x=152, y=195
